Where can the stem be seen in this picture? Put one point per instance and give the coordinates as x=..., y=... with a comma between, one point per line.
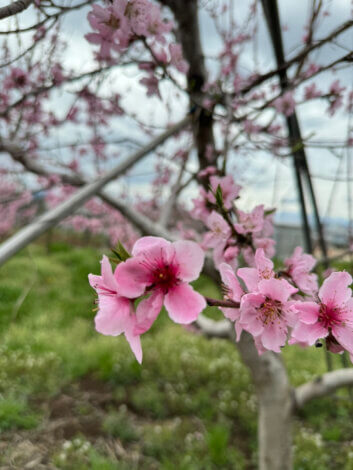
x=221, y=303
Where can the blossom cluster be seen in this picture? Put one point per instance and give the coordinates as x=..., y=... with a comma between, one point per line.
x=158, y=273
x=119, y=24
x=227, y=237
x=271, y=306
x=275, y=307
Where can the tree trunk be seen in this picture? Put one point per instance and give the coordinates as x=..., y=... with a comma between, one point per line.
x=276, y=404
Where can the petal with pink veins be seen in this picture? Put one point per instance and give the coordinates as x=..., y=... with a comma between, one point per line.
x=344, y=336
x=184, y=304
x=113, y=315
x=273, y=337
x=308, y=312
x=107, y=274
x=147, y=311
x=95, y=281
x=252, y=324
x=309, y=333
x=145, y=244
x=132, y=277
x=335, y=290
x=250, y=276
x=263, y=264
x=277, y=289
x=231, y=313
x=189, y=258
x=135, y=344
x=231, y=282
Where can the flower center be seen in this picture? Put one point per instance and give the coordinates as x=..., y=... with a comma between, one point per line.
x=165, y=277
x=266, y=273
x=270, y=311
x=329, y=316
x=113, y=22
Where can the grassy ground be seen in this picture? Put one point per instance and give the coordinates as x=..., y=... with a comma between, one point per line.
x=72, y=399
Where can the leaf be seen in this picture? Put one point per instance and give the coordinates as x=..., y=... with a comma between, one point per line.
x=219, y=196
x=121, y=254
x=269, y=211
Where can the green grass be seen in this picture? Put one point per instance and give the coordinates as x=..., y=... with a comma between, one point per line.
x=190, y=406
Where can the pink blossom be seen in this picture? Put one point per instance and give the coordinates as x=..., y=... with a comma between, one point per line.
x=225, y=254
x=176, y=58
x=113, y=29
x=209, y=170
x=299, y=266
x=311, y=91
x=138, y=12
x=162, y=270
x=116, y=313
x=232, y=291
x=250, y=127
x=57, y=73
x=285, y=104
x=250, y=222
x=332, y=317
x=219, y=231
x=200, y=210
x=18, y=78
x=267, y=244
x=230, y=190
x=336, y=99
x=311, y=69
x=268, y=229
x=230, y=256
x=158, y=28
x=267, y=314
x=151, y=83
x=263, y=270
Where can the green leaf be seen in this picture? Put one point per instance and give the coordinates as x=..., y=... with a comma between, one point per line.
x=269, y=211
x=121, y=253
x=219, y=196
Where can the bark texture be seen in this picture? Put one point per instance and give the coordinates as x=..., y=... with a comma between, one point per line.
x=186, y=15
x=275, y=398
x=14, y=8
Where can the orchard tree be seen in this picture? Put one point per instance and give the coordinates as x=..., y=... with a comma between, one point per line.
x=67, y=129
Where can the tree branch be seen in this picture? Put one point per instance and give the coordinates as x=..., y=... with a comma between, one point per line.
x=14, y=8
x=214, y=329
x=54, y=216
x=323, y=385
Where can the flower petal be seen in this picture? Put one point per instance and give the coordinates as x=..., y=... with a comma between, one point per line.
x=263, y=264
x=309, y=333
x=250, y=276
x=113, y=315
x=144, y=244
x=276, y=289
x=184, y=304
x=107, y=274
x=190, y=258
x=334, y=290
x=147, y=311
x=229, y=279
x=95, y=281
x=344, y=336
x=308, y=312
x=132, y=277
x=231, y=313
x=274, y=336
x=135, y=344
